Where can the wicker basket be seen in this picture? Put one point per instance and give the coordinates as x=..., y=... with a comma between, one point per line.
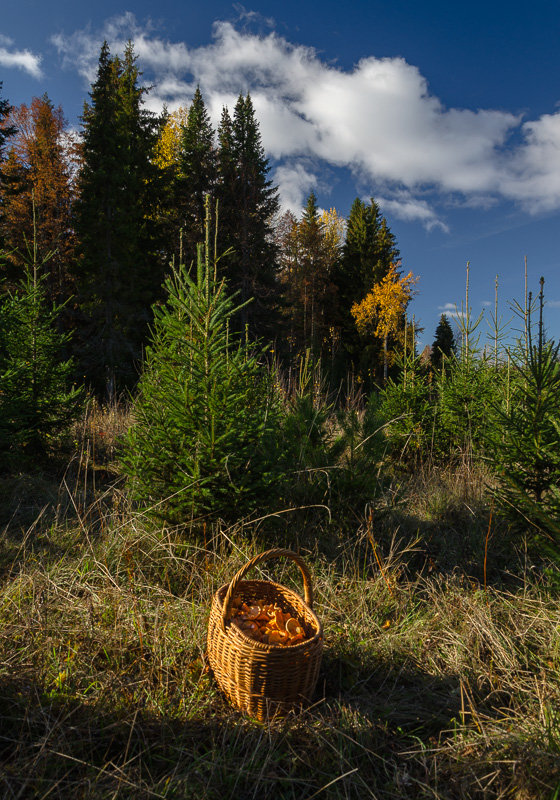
x=264, y=679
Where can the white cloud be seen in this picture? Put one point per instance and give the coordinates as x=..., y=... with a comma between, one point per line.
x=20, y=59
x=534, y=175
x=79, y=51
x=295, y=183
x=378, y=120
x=406, y=207
x=452, y=311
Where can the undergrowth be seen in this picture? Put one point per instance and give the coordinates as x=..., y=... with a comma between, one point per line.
x=440, y=677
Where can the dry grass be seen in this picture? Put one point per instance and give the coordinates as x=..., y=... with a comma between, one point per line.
x=433, y=685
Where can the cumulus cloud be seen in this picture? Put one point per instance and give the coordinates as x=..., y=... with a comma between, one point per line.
x=295, y=183
x=409, y=208
x=20, y=59
x=452, y=311
x=534, y=175
x=378, y=119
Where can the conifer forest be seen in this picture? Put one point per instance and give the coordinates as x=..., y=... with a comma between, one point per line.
x=190, y=377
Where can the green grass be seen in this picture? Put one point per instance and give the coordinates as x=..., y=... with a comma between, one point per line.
x=435, y=682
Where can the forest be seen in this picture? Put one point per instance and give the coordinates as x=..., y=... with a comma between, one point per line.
x=189, y=377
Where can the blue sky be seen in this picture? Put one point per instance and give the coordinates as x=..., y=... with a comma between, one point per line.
x=447, y=114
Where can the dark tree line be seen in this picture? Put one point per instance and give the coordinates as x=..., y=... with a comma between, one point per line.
x=109, y=213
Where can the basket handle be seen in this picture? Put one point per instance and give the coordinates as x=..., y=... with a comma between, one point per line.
x=274, y=553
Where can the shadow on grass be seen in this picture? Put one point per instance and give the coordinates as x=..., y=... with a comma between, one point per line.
x=406, y=701
x=63, y=747
x=369, y=735
x=473, y=542
x=35, y=504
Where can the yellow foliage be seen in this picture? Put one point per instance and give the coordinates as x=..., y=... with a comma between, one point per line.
x=168, y=146
x=385, y=304
x=333, y=231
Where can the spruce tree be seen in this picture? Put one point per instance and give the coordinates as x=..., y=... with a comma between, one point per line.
x=197, y=163
x=6, y=129
x=119, y=272
x=226, y=192
x=308, y=258
x=524, y=441
x=352, y=276
x=444, y=345
x=367, y=254
x=252, y=267
x=37, y=399
x=387, y=252
x=312, y=270
x=356, y=275
x=205, y=415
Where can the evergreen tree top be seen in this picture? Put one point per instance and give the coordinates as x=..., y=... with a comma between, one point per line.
x=362, y=226
x=246, y=132
x=225, y=131
x=310, y=212
x=250, y=159
x=198, y=134
x=5, y=130
x=444, y=342
x=226, y=150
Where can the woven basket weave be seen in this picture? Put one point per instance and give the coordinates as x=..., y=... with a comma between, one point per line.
x=264, y=679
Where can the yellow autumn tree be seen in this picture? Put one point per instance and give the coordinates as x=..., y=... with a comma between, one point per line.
x=381, y=311
x=167, y=158
x=168, y=146
x=333, y=233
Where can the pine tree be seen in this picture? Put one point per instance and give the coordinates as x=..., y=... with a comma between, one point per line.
x=119, y=271
x=444, y=345
x=252, y=267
